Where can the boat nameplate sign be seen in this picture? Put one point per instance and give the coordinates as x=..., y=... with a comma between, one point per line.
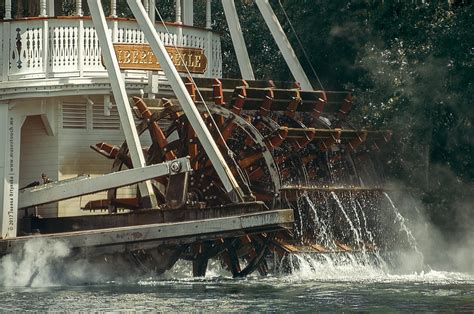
x=141, y=57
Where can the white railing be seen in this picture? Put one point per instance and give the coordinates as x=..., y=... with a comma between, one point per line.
x=68, y=47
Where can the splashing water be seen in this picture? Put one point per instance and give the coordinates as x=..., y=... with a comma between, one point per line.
x=368, y=233
x=370, y=237
x=40, y=263
x=323, y=234
x=403, y=227
x=320, y=228
x=47, y=263
x=351, y=224
x=33, y=265
x=329, y=267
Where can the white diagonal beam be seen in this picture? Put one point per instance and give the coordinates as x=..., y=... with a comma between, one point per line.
x=62, y=190
x=223, y=171
x=283, y=44
x=238, y=40
x=120, y=94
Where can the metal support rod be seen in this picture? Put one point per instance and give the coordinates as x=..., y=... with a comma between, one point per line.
x=121, y=99
x=8, y=9
x=238, y=40
x=58, y=191
x=230, y=184
x=283, y=44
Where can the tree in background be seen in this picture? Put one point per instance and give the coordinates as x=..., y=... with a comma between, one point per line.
x=411, y=67
x=410, y=64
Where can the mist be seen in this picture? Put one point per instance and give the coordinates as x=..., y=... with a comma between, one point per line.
x=48, y=263
x=440, y=252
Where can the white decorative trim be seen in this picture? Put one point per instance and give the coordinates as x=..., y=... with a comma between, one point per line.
x=39, y=49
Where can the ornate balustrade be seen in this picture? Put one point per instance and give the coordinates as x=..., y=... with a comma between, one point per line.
x=68, y=47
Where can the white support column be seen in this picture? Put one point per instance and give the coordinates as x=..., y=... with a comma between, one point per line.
x=188, y=10
x=8, y=9
x=46, y=65
x=80, y=48
x=113, y=13
x=209, y=54
x=121, y=98
x=5, y=50
x=152, y=75
x=10, y=128
x=283, y=44
x=238, y=39
x=179, y=20
x=208, y=15
x=113, y=8
x=43, y=8
x=152, y=13
x=146, y=4
x=178, y=15
x=79, y=11
x=51, y=8
x=209, y=38
x=225, y=174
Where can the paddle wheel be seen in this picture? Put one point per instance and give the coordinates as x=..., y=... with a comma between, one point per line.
x=219, y=168
x=285, y=147
x=279, y=144
x=303, y=153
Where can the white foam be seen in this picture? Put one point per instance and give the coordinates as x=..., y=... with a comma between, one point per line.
x=33, y=265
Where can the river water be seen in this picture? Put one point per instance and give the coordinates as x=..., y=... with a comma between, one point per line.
x=342, y=288
x=40, y=278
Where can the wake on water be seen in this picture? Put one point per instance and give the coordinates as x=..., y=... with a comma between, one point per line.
x=42, y=263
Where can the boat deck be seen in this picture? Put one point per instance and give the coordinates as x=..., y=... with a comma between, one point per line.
x=147, y=229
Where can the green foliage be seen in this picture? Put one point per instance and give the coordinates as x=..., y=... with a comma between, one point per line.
x=411, y=66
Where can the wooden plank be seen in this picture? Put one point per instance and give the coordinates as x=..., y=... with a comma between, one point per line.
x=150, y=235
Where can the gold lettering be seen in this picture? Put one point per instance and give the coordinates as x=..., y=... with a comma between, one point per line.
x=135, y=56
x=141, y=57
x=197, y=59
x=151, y=58
x=176, y=59
x=120, y=56
x=190, y=60
x=126, y=57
